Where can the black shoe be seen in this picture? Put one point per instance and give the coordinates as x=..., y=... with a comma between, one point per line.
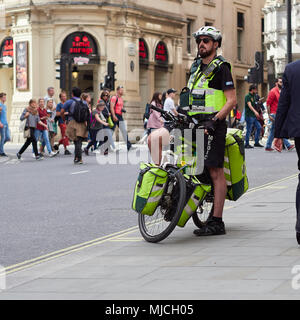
x=38, y=157
x=258, y=145
x=298, y=237
x=3, y=155
x=18, y=156
x=67, y=153
x=247, y=146
x=211, y=228
x=86, y=151
x=77, y=161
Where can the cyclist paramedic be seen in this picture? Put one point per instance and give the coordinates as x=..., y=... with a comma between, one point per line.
x=213, y=96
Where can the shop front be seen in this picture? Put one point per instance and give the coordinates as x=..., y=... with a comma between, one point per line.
x=6, y=69
x=79, y=63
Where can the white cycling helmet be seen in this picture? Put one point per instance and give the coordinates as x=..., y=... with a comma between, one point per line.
x=209, y=31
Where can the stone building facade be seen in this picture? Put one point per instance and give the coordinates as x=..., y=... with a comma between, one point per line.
x=151, y=45
x=276, y=34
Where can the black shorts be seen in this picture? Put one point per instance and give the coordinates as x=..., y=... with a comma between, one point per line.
x=215, y=147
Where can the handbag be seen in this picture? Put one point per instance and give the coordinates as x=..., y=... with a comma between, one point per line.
x=22, y=126
x=110, y=122
x=27, y=132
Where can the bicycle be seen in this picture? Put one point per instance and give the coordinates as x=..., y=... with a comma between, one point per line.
x=179, y=188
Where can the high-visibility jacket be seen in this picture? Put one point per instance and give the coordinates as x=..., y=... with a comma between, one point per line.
x=202, y=99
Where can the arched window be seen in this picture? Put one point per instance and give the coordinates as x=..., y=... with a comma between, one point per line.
x=161, y=54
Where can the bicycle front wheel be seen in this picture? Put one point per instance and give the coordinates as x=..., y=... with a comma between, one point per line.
x=164, y=220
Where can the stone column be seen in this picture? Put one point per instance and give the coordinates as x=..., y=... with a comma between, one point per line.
x=21, y=31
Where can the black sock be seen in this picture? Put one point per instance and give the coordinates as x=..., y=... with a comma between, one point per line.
x=217, y=219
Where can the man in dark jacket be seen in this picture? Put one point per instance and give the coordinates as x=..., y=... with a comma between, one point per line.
x=287, y=122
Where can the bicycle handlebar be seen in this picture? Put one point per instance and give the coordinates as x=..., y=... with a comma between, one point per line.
x=181, y=121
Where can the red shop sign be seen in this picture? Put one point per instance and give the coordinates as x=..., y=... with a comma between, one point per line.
x=161, y=53
x=143, y=50
x=79, y=44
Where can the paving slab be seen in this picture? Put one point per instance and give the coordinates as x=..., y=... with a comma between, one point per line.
x=254, y=260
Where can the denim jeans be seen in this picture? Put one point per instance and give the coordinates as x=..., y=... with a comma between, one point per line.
x=252, y=121
x=43, y=136
x=271, y=135
x=5, y=136
x=122, y=126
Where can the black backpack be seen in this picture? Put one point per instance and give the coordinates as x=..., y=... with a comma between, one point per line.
x=81, y=112
x=147, y=111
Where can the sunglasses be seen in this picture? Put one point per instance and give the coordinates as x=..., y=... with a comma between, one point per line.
x=204, y=40
x=106, y=95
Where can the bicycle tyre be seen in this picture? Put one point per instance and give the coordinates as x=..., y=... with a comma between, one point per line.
x=146, y=222
x=204, y=211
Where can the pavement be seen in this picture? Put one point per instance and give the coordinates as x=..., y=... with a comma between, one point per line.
x=258, y=259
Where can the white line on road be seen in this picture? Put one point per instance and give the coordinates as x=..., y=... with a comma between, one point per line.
x=80, y=172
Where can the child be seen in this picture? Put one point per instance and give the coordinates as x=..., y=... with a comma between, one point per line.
x=97, y=123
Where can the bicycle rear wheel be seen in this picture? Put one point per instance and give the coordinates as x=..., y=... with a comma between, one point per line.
x=204, y=211
x=159, y=226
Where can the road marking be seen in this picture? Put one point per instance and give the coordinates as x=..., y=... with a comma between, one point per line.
x=127, y=239
x=114, y=236
x=63, y=252
x=80, y=172
x=270, y=184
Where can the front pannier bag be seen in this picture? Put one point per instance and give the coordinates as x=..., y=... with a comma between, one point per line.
x=149, y=189
x=235, y=165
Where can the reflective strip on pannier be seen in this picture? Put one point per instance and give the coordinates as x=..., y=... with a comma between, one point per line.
x=195, y=194
x=235, y=165
x=149, y=189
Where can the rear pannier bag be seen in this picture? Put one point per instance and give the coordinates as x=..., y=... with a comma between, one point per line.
x=235, y=165
x=195, y=195
x=149, y=189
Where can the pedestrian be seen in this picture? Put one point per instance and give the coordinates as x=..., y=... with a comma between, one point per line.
x=41, y=132
x=78, y=121
x=169, y=104
x=52, y=127
x=50, y=95
x=62, y=124
x=164, y=97
x=86, y=98
x=107, y=130
x=97, y=124
x=287, y=121
x=252, y=118
x=4, y=129
x=272, y=105
x=117, y=110
x=155, y=120
x=236, y=117
x=31, y=116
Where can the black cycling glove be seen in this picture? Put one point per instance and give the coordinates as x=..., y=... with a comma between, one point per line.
x=211, y=126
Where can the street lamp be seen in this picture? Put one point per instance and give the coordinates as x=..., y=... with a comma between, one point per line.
x=75, y=72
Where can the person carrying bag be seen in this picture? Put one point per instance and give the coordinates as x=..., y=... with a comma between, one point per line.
x=31, y=116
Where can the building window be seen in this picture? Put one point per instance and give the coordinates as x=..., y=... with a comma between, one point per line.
x=189, y=31
x=240, y=35
x=263, y=48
